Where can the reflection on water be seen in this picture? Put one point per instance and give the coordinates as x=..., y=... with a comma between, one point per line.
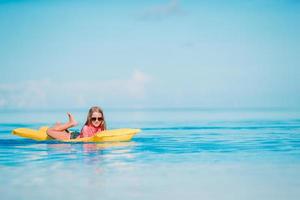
x=90, y=153
x=14, y=152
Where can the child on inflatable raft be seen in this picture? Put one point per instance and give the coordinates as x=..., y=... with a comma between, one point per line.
x=95, y=123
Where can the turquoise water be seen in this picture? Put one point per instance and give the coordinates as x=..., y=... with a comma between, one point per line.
x=180, y=153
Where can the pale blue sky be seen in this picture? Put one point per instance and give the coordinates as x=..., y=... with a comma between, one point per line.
x=159, y=53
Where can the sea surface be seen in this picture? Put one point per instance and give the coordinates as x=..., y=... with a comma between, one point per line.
x=180, y=153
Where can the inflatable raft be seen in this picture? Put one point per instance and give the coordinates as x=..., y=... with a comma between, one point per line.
x=115, y=135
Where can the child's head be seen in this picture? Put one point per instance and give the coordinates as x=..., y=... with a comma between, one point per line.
x=96, y=118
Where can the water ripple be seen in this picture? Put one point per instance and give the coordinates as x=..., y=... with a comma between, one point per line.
x=220, y=127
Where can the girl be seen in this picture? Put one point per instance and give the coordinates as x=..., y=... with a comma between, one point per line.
x=95, y=123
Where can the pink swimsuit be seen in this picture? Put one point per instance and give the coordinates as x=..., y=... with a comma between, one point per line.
x=90, y=130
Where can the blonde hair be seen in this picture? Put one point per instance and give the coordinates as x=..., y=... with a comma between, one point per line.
x=90, y=113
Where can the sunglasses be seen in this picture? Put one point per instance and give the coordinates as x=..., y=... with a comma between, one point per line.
x=97, y=118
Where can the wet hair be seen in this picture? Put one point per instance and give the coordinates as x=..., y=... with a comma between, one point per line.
x=90, y=113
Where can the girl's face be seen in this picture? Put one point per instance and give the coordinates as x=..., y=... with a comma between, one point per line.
x=96, y=119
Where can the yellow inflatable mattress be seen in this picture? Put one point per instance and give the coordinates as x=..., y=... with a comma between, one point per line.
x=115, y=135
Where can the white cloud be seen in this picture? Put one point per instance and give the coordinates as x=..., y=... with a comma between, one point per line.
x=22, y=95
x=163, y=10
x=137, y=84
x=49, y=93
